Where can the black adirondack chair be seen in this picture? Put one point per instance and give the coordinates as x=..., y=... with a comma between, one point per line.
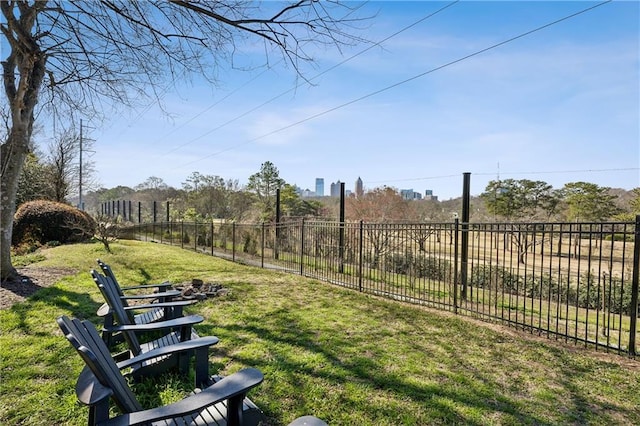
x=136, y=335
x=216, y=401
x=161, y=306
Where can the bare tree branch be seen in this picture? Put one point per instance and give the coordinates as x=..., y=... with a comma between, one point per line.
x=92, y=57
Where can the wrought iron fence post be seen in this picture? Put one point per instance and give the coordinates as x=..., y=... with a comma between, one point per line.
x=276, y=254
x=233, y=240
x=262, y=244
x=341, y=235
x=302, y=247
x=361, y=254
x=455, y=265
x=211, y=230
x=182, y=234
x=634, y=289
x=153, y=225
x=464, y=261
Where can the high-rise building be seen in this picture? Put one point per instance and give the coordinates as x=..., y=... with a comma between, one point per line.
x=359, y=190
x=335, y=189
x=319, y=187
x=410, y=194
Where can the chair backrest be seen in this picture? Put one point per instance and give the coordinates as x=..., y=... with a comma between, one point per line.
x=108, y=272
x=84, y=337
x=115, y=302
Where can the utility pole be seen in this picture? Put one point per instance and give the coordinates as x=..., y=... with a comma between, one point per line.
x=80, y=174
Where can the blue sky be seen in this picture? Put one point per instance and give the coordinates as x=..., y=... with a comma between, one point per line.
x=559, y=105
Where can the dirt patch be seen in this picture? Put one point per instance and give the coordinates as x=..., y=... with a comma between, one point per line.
x=30, y=280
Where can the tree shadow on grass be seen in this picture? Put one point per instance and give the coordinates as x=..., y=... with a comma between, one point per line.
x=366, y=370
x=58, y=302
x=449, y=393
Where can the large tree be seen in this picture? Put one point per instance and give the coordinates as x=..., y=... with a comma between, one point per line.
x=379, y=206
x=295, y=206
x=521, y=199
x=79, y=57
x=63, y=159
x=588, y=202
x=210, y=195
x=35, y=181
x=265, y=184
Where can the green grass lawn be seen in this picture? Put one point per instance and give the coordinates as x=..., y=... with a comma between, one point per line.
x=346, y=357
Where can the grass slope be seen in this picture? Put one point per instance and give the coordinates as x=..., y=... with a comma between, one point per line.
x=342, y=356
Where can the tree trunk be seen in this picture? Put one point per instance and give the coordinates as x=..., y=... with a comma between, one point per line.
x=23, y=74
x=13, y=154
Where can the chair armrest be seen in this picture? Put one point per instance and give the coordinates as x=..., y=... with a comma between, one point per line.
x=178, y=322
x=168, y=350
x=160, y=286
x=161, y=305
x=170, y=293
x=196, y=348
x=234, y=386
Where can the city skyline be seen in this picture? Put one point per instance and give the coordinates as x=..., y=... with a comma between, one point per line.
x=358, y=189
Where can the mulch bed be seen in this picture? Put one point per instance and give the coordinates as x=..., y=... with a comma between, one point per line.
x=28, y=281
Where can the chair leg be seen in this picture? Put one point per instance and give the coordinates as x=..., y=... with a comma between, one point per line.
x=99, y=412
x=234, y=410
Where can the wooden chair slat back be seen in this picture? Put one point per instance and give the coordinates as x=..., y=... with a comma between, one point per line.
x=108, y=272
x=84, y=337
x=115, y=302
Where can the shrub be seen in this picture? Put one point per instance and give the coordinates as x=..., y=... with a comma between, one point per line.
x=249, y=243
x=43, y=221
x=609, y=293
x=398, y=263
x=431, y=267
x=417, y=266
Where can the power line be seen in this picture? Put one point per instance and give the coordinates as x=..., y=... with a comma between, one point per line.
x=145, y=109
x=415, y=77
x=502, y=174
x=621, y=169
x=208, y=109
x=244, y=114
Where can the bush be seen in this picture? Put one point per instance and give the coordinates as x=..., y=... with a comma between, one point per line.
x=417, y=266
x=398, y=263
x=431, y=267
x=249, y=243
x=43, y=221
x=608, y=293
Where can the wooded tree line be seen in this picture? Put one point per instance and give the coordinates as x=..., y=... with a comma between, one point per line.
x=204, y=197
x=538, y=201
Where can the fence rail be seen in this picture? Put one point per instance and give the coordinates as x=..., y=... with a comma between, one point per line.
x=572, y=281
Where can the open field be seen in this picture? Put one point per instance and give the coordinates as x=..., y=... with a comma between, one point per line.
x=347, y=357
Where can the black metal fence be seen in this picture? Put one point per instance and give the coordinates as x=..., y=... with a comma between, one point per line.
x=576, y=282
